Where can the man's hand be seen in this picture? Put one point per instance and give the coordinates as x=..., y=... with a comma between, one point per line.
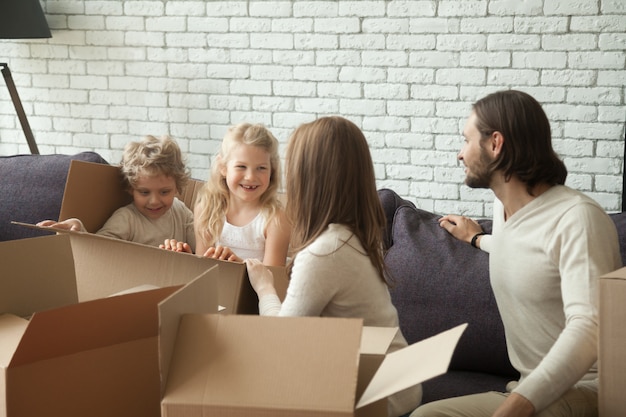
x=461, y=227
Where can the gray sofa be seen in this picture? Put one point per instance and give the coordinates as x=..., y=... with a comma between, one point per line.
x=439, y=282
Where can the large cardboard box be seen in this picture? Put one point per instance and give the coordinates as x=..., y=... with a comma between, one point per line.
x=70, y=348
x=612, y=340
x=257, y=366
x=94, y=191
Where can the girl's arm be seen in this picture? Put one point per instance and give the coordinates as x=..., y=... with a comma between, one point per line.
x=277, y=239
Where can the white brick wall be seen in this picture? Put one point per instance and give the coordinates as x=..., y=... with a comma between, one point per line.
x=405, y=71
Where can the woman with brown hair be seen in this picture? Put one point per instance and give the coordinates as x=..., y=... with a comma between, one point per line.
x=337, y=223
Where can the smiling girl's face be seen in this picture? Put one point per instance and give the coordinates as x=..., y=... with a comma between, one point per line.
x=247, y=172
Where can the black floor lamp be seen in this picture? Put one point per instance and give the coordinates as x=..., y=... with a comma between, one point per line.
x=21, y=19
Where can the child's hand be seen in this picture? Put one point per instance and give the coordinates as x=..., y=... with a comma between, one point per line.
x=222, y=252
x=261, y=278
x=176, y=246
x=69, y=224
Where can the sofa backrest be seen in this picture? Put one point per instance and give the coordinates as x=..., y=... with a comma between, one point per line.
x=32, y=188
x=440, y=282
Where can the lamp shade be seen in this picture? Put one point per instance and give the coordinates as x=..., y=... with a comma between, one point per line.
x=22, y=19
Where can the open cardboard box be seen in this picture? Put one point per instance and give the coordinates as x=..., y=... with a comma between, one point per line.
x=94, y=191
x=612, y=339
x=68, y=348
x=257, y=366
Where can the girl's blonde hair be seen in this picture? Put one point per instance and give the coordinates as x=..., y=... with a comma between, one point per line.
x=330, y=179
x=212, y=203
x=154, y=156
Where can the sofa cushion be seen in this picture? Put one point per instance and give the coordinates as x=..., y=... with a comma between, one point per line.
x=620, y=223
x=440, y=282
x=32, y=187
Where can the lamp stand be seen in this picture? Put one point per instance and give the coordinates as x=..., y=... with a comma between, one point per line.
x=8, y=79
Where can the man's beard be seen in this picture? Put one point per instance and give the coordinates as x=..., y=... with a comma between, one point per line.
x=479, y=176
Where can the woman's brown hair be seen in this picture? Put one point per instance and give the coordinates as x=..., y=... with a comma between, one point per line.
x=330, y=179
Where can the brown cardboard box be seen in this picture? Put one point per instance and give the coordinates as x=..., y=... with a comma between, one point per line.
x=67, y=348
x=612, y=339
x=257, y=366
x=94, y=191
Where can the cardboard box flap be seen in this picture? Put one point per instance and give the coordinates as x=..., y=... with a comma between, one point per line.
x=412, y=365
x=12, y=329
x=37, y=274
x=376, y=340
x=617, y=274
x=303, y=363
x=198, y=297
x=92, y=193
x=90, y=325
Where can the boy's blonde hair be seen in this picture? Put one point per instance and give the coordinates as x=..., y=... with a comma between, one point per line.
x=154, y=156
x=212, y=203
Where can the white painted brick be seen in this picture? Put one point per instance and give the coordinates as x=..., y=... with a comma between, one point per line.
x=108, y=126
x=409, y=140
x=85, y=22
x=485, y=59
x=91, y=140
x=342, y=90
x=363, y=74
x=434, y=25
x=128, y=83
x=181, y=39
x=269, y=72
x=144, y=8
x=229, y=71
x=167, y=54
x=540, y=24
x=316, y=105
x=293, y=88
x=290, y=120
x=610, y=148
x=411, y=42
x=433, y=92
x=340, y=58
x=337, y=25
x=434, y=125
x=611, y=202
x=362, y=8
x=612, y=41
x=250, y=25
x=579, y=113
x=411, y=75
x=185, y=8
x=455, y=76
x=105, y=8
x=447, y=175
x=411, y=108
x=150, y=39
x=594, y=131
x=57, y=81
x=87, y=82
x=385, y=58
x=391, y=156
x=48, y=109
x=293, y=57
x=315, y=73
x=546, y=95
x=212, y=86
x=50, y=51
x=435, y=191
x=149, y=99
x=433, y=59
x=385, y=25
x=270, y=8
x=181, y=100
x=165, y=114
x=385, y=123
x=271, y=41
x=104, y=38
x=166, y=24
x=516, y=7
x=608, y=184
x=253, y=56
x=362, y=107
x=598, y=95
x=70, y=124
x=567, y=77
x=425, y=157
x=510, y=42
x=598, y=23
x=597, y=60
x=228, y=40
x=142, y=69
x=64, y=96
x=192, y=71
x=315, y=8
x=84, y=53
x=209, y=116
x=292, y=25
x=411, y=8
x=315, y=41
x=226, y=8
x=362, y=41
x=462, y=8
x=540, y=60
x=582, y=182
x=229, y=102
x=573, y=147
x=516, y=77
x=569, y=42
x=64, y=7
x=611, y=113
x=461, y=42
x=386, y=91
x=570, y=7
x=613, y=6
x=123, y=23
x=273, y=104
x=487, y=25
x=125, y=54
x=452, y=108
x=409, y=172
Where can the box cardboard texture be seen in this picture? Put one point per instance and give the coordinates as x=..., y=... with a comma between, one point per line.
x=94, y=191
x=612, y=339
x=256, y=366
x=68, y=349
